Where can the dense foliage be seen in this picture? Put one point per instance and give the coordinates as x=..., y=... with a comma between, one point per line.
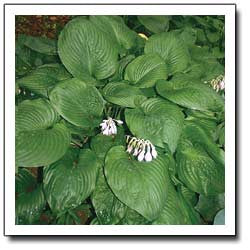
x=157, y=79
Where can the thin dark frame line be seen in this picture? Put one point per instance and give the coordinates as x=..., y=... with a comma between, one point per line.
x=120, y=4
x=126, y=236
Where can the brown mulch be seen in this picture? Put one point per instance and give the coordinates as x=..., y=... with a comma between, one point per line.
x=48, y=26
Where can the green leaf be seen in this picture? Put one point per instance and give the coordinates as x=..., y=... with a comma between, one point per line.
x=199, y=172
x=29, y=206
x=140, y=185
x=190, y=93
x=116, y=30
x=69, y=181
x=108, y=208
x=196, y=134
x=101, y=144
x=156, y=120
x=24, y=181
x=145, y=70
x=155, y=24
x=40, y=44
x=176, y=211
x=123, y=94
x=44, y=77
x=77, y=102
x=133, y=218
x=86, y=51
x=190, y=196
x=171, y=48
x=220, y=218
x=209, y=205
x=39, y=139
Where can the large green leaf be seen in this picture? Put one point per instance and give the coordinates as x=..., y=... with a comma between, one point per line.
x=39, y=139
x=116, y=30
x=145, y=70
x=69, y=181
x=171, y=48
x=140, y=185
x=40, y=44
x=43, y=78
x=155, y=24
x=176, y=210
x=190, y=93
x=86, y=51
x=156, y=120
x=108, y=208
x=77, y=102
x=29, y=206
x=196, y=134
x=199, y=172
x=123, y=94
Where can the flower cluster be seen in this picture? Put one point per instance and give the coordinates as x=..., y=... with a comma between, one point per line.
x=143, y=149
x=108, y=127
x=218, y=83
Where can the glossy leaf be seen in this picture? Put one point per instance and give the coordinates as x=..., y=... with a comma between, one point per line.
x=39, y=139
x=116, y=30
x=29, y=206
x=44, y=77
x=156, y=120
x=123, y=94
x=86, y=51
x=145, y=70
x=77, y=102
x=69, y=181
x=190, y=93
x=140, y=185
x=171, y=48
x=199, y=172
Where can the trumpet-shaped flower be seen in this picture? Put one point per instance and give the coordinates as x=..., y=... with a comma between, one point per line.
x=140, y=148
x=108, y=127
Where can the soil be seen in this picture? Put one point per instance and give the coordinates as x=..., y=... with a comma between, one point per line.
x=48, y=26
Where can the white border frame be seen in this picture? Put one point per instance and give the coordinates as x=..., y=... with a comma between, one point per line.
x=102, y=9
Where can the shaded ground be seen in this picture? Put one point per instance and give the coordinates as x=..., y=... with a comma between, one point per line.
x=43, y=25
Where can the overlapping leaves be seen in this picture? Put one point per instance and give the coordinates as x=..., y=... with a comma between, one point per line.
x=40, y=139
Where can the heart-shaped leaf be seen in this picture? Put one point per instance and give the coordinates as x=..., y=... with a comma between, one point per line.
x=69, y=181
x=171, y=48
x=123, y=94
x=140, y=185
x=145, y=70
x=199, y=172
x=190, y=93
x=156, y=120
x=77, y=102
x=43, y=78
x=116, y=30
x=86, y=51
x=39, y=139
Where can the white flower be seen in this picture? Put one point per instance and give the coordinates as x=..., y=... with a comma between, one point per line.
x=154, y=152
x=218, y=83
x=108, y=127
x=144, y=150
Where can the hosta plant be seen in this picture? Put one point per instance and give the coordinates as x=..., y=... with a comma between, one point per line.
x=121, y=121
